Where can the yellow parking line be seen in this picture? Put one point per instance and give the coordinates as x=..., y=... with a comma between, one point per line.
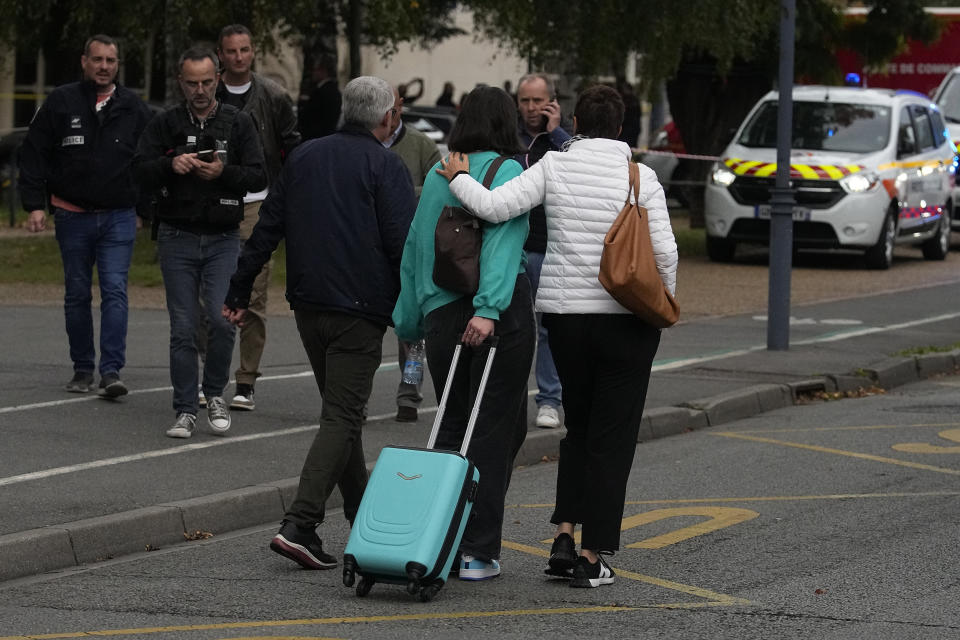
x=714, y=597
x=869, y=427
x=832, y=496
x=455, y=615
x=839, y=452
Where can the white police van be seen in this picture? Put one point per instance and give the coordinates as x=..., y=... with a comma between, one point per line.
x=947, y=97
x=870, y=168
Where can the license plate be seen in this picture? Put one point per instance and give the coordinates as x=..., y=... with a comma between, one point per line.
x=763, y=211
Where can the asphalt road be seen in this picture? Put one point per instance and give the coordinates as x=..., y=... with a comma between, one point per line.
x=835, y=520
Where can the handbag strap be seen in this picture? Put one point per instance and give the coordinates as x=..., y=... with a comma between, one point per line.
x=634, y=184
x=492, y=171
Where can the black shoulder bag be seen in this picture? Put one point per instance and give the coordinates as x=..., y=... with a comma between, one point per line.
x=457, y=242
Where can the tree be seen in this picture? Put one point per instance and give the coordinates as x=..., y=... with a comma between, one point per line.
x=161, y=29
x=717, y=58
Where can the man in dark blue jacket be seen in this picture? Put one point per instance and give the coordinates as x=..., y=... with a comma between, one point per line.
x=343, y=204
x=77, y=158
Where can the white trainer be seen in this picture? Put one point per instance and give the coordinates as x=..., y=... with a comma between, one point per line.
x=548, y=417
x=183, y=427
x=218, y=416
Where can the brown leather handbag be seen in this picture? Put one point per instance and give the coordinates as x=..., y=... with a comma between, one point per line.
x=628, y=270
x=457, y=242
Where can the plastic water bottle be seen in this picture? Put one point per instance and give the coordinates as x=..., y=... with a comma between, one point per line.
x=413, y=367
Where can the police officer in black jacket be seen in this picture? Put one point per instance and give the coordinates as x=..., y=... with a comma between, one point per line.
x=201, y=157
x=76, y=159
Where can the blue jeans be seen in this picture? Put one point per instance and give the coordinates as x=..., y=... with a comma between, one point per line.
x=197, y=266
x=548, y=382
x=106, y=239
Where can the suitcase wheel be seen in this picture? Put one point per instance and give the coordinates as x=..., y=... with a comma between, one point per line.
x=413, y=587
x=364, y=586
x=349, y=570
x=427, y=593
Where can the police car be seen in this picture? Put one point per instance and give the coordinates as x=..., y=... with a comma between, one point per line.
x=947, y=98
x=870, y=168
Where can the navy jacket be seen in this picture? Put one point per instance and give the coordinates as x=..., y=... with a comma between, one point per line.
x=80, y=156
x=343, y=204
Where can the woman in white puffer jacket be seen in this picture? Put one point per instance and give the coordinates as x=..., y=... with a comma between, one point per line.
x=603, y=352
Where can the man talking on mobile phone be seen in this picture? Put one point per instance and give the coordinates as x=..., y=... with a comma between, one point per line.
x=540, y=131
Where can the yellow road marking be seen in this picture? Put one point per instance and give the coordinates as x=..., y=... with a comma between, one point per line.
x=839, y=452
x=281, y=638
x=834, y=496
x=714, y=597
x=717, y=518
x=922, y=447
x=869, y=427
x=455, y=615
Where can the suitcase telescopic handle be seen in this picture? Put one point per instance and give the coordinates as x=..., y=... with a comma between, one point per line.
x=493, y=341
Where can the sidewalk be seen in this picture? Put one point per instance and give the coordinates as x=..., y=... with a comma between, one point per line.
x=708, y=372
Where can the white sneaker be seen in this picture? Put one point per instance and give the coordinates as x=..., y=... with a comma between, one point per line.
x=243, y=400
x=201, y=399
x=218, y=416
x=548, y=417
x=183, y=427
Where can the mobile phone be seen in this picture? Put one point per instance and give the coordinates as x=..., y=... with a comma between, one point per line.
x=206, y=155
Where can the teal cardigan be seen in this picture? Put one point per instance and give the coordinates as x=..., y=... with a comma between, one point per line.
x=501, y=255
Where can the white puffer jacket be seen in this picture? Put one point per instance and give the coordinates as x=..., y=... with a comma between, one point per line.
x=582, y=190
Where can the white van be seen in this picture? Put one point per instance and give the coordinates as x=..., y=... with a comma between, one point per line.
x=870, y=168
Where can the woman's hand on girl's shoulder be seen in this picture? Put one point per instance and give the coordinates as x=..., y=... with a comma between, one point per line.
x=453, y=164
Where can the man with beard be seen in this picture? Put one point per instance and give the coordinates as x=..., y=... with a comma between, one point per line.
x=76, y=158
x=202, y=157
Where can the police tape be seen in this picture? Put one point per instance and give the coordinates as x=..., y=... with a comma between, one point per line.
x=683, y=156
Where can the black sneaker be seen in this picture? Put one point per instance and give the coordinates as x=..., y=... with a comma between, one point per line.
x=589, y=575
x=302, y=545
x=111, y=386
x=81, y=382
x=563, y=555
x=406, y=414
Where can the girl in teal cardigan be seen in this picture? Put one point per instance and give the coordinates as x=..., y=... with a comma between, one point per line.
x=485, y=129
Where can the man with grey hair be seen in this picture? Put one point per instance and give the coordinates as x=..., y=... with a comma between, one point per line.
x=343, y=203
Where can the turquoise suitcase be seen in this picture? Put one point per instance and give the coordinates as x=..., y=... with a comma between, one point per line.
x=414, y=510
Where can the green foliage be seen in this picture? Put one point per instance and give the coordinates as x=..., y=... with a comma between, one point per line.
x=593, y=37
x=919, y=351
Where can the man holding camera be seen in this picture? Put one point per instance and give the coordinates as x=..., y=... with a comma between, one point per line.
x=201, y=157
x=540, y=131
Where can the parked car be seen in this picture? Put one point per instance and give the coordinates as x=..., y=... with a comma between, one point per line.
x=947, y=97
x=870, y=168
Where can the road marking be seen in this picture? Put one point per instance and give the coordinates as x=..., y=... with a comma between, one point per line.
x=714, y=597
x=835, y=496
x=93, y=396
x=677, y=363
x=717, y=518
x=953, y=435
x=853, y=428
x=454, y=615
x=839, y=452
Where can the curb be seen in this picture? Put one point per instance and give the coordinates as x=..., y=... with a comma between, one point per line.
x=72, y=544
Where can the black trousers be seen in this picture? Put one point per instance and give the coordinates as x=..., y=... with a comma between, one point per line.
x=502, y=421
x=344, y=353
x=604, y=363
